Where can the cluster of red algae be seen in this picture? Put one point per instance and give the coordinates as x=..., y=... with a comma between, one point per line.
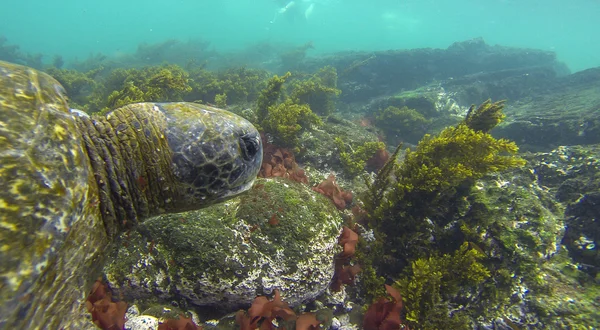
x=345, y=273
x=280, y=162
x=366, y=122
x=376, y=162
x=109, y=315
x=385, y=314
x=106, y=314
x=182, y=324
x=263, y=312
x=330, y=188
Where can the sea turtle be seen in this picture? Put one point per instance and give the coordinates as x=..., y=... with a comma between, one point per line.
x=70, y=183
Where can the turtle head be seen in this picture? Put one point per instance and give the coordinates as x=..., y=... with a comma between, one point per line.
x=215, y=153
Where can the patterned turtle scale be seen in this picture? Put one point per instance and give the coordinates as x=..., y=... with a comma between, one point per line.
x=70, y=183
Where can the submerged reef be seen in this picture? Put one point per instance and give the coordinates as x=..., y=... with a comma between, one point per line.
x=565, y=112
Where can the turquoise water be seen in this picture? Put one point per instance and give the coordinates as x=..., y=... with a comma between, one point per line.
x=75, y=28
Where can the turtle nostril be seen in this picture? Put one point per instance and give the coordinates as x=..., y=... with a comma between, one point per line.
x=250, y=146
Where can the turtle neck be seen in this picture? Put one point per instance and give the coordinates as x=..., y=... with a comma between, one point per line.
x=131, y=161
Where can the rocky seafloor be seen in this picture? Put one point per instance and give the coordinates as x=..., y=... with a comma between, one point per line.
x=215, y=261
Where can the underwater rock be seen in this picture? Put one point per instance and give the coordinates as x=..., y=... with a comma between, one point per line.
x=137, y=321
x=519, y=226
x=573, y=175
x=543, y=109
x=564, y=113
x=364, y=75
x=430, y=101
x=436, y=105
x=280, y=235
x=506, y=84
x=551, y=291
x=318, y=146
x=521, y=221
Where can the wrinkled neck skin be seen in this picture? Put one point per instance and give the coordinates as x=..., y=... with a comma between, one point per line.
x=131, y=160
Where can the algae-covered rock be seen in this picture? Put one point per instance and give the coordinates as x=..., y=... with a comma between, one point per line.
x=280, y=235
x=573, y=174
x=569, y=301
x=528, y=212
x=515, y=226
x=319, y=148
x=515, y=219
x=565, y=112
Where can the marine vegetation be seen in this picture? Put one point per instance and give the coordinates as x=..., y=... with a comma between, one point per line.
x=124, y=86
x=150, y=84
x=440, y=164
x=285, y=112
x=319, y=91
x=270, y=95
x=345, y=268
x=183, y=322
x=235, y=85
x=404, y=123
x=12, y=53
x=355, y=158
x=414, y=205
x=79, y=85
x=430, y=283
x=221, y=100
x=264, y=312
x=341, y=198
x=284, y=120
x=385, y=314
x=100, y=89
x=280, y=162
x=106, y=314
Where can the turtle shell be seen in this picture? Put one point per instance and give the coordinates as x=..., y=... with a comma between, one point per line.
x=48, y=202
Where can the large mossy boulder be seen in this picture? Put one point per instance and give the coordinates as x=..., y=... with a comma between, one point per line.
x=279, y=235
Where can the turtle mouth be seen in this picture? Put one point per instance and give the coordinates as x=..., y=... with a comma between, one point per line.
x=236, y=191
x=250, y=146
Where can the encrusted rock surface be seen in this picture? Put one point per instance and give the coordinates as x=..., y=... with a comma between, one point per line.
x=279, y=235
x=572, y=173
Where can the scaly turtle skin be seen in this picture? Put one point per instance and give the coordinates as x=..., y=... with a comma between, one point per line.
x=69, y=184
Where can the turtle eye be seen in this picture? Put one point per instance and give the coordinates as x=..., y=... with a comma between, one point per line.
x=250, y=146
